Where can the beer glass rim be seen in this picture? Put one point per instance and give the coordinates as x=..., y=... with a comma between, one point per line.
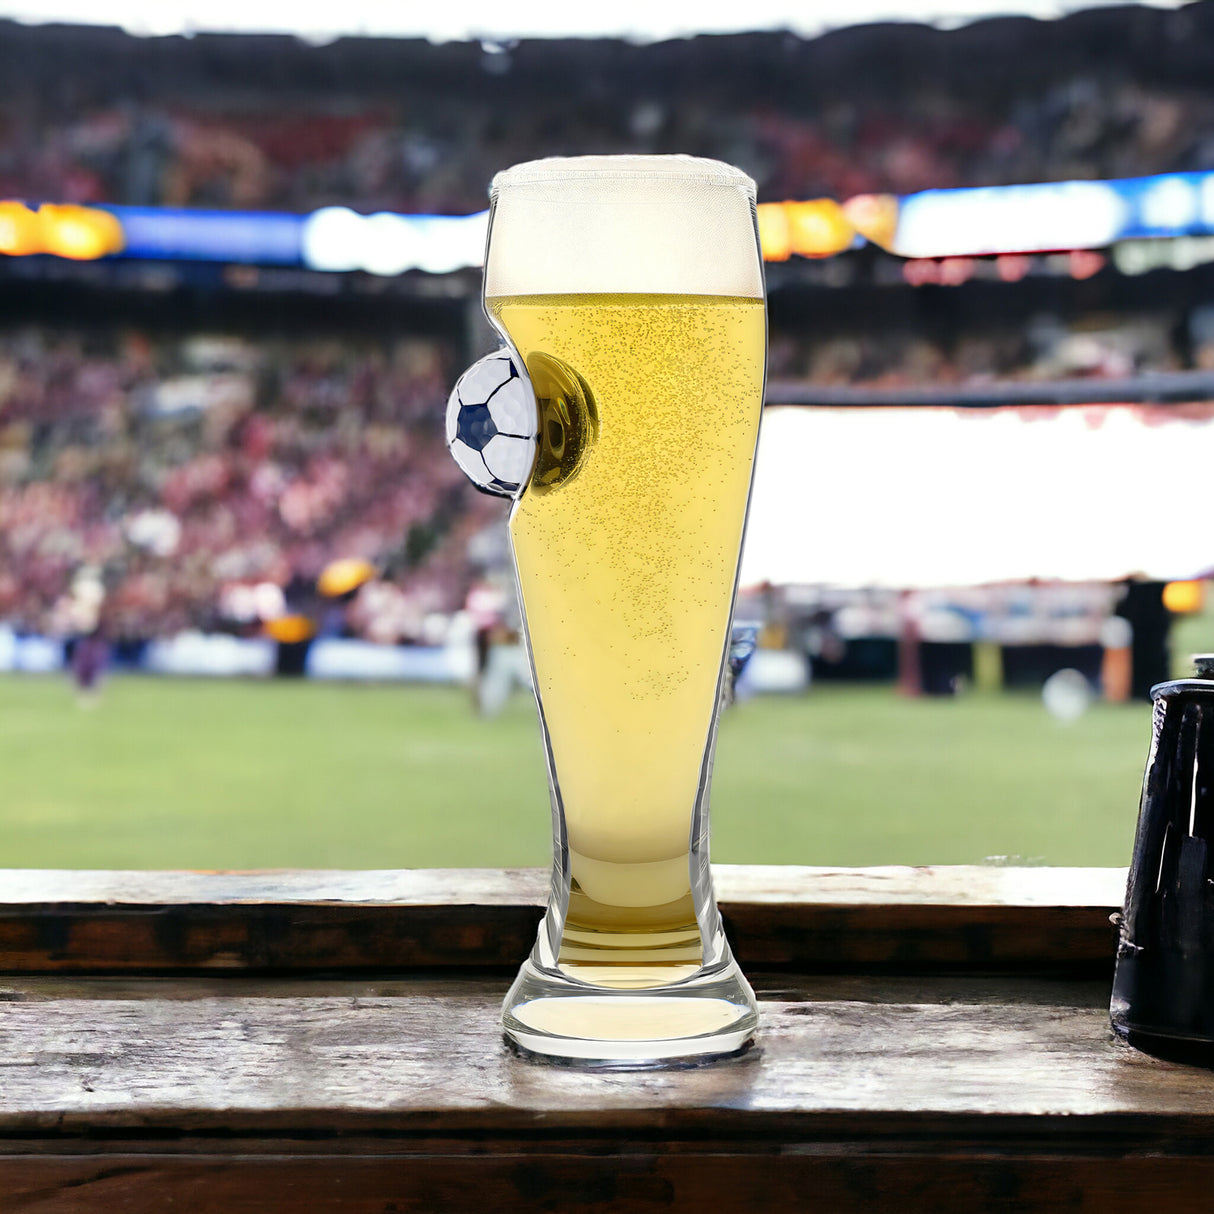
x=673, y=168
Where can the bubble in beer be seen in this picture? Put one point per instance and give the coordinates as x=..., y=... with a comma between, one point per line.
x=493, y=425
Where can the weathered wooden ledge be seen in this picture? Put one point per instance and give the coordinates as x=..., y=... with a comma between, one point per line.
x=930, y=1039
x=391, y=921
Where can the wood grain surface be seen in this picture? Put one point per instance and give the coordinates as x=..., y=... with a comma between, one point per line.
x=840, y=1179
x=862, y=1092
x=931, y=1039
x=788, y=917
x=942, y=885
x=429, y=1057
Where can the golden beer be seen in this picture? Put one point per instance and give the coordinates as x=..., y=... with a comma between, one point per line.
x=632, y=289
x=627, y=570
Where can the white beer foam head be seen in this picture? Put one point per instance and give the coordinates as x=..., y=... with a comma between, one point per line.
x=662, y=225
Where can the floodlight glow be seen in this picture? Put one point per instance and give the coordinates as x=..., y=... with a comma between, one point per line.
x=1184, y=598
x=336, y=238
x=1172, y=203
x=331, y=239
x=931, y=226
x=75, y=232
x=1011, y=219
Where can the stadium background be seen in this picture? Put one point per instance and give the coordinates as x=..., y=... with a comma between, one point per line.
x=187, y=444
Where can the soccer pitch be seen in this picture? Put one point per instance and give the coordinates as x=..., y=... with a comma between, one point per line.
x=199, y=774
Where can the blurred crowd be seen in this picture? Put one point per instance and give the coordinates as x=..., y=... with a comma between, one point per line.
x=166, y=481
x=96, y=116
x=1100, y=346
x=152, y=482
x=173, y=473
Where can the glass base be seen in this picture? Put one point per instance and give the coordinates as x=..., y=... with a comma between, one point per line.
x=708, y=1015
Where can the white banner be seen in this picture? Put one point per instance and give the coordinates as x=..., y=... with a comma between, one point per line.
x=920, y=497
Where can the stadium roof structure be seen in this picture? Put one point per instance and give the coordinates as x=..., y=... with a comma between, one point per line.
x=492, y=20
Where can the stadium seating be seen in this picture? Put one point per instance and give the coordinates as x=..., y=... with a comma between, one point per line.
x=176, y=467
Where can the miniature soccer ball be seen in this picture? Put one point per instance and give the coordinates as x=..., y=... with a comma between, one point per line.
x=493, y=425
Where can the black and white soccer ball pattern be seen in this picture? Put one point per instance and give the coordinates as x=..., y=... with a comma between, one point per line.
x=493, y=425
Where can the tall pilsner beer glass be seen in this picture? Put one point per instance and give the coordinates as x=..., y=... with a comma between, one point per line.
x=632, y=288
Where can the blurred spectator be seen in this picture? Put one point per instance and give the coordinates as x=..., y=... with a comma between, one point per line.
x=90, y=654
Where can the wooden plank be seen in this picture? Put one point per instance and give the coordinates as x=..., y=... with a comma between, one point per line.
x=907, y=1093
x=939, y=885
x=397, y=887
x=838, y=1181
x=1011, y=1068
x=949, y=988
x=793, y=917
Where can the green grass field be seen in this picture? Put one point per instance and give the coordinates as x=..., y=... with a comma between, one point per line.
x=198, y=774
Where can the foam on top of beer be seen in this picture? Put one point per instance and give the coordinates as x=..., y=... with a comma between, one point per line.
x=635, y=225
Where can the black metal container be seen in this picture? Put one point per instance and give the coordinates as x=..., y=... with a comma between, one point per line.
x=1163, y=990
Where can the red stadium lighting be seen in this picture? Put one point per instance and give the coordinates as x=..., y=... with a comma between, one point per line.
x=1085, y=262
x=954, y=271
x=920, y=272
x=1012, y=267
